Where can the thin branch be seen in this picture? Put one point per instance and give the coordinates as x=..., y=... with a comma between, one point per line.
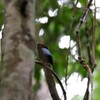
x=91, y=57
x=73, y=13
x=88, y=69
x=88, y=45
x=66, y=69
x=83, y=63
x=68, y=52
x=86, y=96
x=83, y=18
x=57, y=78
x=94, y=37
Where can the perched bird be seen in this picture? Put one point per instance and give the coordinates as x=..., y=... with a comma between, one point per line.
x=44, y=53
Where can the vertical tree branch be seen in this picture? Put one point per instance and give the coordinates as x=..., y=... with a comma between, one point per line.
x=91, y=57
x=86, y=96
x=83, y=63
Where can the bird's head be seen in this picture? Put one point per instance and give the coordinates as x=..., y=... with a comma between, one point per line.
x=40, y=45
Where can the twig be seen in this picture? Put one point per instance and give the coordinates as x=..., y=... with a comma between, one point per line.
x=57, y=78
x=68, y=52
x=83, y=18
x=94, y=37
x=73, y=13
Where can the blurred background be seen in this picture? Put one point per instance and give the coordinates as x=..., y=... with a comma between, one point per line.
x=56, y=25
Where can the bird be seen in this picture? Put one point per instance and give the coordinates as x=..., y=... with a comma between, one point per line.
x=44, y=54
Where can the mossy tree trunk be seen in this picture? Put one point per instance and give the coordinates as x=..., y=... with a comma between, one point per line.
x=18, y=47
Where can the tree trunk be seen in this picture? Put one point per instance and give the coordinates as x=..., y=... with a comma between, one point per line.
x=18, y=47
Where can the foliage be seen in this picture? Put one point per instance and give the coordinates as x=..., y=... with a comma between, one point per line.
x=65, y=23
x=59, y=25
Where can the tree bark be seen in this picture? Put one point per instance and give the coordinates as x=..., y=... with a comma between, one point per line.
x=18, y=47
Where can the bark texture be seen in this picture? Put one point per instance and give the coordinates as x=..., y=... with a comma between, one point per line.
x=18, y=47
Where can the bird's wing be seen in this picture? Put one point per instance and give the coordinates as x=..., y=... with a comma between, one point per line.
x=46, y=51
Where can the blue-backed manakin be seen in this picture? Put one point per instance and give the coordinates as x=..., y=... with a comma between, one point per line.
x=44, y=53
